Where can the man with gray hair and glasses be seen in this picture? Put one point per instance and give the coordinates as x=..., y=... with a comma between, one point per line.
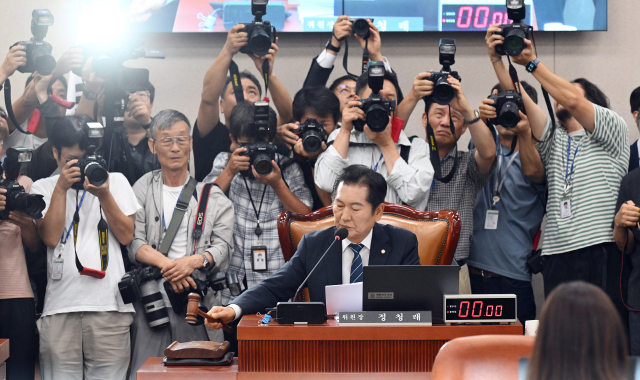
x=187, y=248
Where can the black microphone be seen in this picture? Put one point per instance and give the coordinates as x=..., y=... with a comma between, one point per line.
x=307, y=312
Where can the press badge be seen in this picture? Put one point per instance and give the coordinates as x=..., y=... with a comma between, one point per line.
x=565, y=208
x=491, y=221
x=259, y=256
x=58, y=262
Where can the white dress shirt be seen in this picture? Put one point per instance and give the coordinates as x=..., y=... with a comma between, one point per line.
x=347, y=256
x=408, y=182
x=638, y=147
x=326, y=60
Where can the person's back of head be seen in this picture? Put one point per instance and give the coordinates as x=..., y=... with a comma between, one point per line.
x=319, y=101
x=634, y=100
x=70, y=131
x=581, y=336
x=593, y=92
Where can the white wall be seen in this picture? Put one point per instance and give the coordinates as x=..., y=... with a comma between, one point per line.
x=606, y=58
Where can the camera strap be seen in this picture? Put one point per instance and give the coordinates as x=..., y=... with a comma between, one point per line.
x=103, y=241
x=236, y=81
x=9, y=106
x=345, y=58
x=434, y=156
x=201, y=215
x=258, y=230
x=178, y=213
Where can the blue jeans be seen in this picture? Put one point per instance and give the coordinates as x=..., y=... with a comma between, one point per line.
x=505, y=285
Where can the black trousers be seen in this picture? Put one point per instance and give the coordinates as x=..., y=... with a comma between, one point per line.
x=598, y=264
x=18, y=324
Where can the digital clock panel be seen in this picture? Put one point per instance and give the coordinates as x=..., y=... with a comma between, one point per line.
x=480, y=308
x=475, y=15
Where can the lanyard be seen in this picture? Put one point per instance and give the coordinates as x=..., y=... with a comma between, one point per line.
x=375, y=168
x=569, y=173
x=258, y=230
x=103, y=242
x=164, y=226
x=500, y=182
x=64, y=238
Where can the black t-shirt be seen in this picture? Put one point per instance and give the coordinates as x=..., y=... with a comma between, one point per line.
x=42, y=163
x=630, y=191
x=205, y=149
x=307, y=170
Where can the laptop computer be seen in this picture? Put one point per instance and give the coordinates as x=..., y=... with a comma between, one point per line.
x=409, y=287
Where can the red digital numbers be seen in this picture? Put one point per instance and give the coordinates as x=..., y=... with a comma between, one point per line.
x=480, y=16
x=489, y=311
x=477, y=314
x=481, y=12
x=499, y=311
x=478, y=309
x=466, y=312
x=461, y=16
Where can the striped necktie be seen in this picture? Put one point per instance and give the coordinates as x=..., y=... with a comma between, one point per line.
x=356, y=264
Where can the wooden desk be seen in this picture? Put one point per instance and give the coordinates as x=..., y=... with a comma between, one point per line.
x=153, y=369
x=330, y=348
x=4, y=355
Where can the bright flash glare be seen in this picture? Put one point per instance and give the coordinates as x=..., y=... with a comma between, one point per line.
x=102, y=22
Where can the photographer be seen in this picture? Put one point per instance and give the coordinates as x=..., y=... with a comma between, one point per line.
x=312, y=107
x=408, y=177
x=159, y=192
x=634, y=156
x=210, y=135
x=84, y=327
x=507, y=215
x=585, y=161
x=17, y=307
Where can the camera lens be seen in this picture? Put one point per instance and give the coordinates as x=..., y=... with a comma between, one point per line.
x=262, y=164
x=260, y=42
x=45, y=64
x=30, y=204
x=509, y=116
x=377, y=118
x=514, y=42
x=153, y=304
x=312, y=142
x=96, y=173
x=443, y=91
x=103, y=66
x=361, y=28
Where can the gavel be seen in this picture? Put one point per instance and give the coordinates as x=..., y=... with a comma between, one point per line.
x=193, y=311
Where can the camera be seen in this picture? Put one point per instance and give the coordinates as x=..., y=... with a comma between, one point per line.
x=361, y=27
x=514, y=34
x=38, y=51
x=261, y=153
x=508, y=105
x=16, y=198
x=140, y=284
x=443, y=92
x=261, y=33
x=216, y=282
x=260, y=123
x=92, y=166
x=312, y=134
x=377, y=109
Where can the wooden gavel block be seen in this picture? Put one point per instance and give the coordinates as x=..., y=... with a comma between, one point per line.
x=193, y=311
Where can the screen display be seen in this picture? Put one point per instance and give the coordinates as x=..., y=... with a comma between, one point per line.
x=470, y=309
x=389, y=16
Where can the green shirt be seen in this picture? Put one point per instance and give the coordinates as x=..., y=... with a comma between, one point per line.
x=598, y=168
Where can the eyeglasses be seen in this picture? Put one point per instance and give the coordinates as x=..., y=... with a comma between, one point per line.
x=142, y=95
x=167, y=142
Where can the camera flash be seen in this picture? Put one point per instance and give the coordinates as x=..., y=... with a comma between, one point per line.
x=515, y=4
x=24, y=156
x=95, y=130
x=377, y=71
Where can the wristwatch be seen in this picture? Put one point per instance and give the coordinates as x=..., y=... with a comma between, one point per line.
x=533, y=65
x=476, y=118
x=331, y=47
x=205, y=264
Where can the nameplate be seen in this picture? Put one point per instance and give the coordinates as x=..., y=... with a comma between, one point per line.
x=384, y=318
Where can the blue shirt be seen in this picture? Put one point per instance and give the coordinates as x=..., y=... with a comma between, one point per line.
x=521, y=207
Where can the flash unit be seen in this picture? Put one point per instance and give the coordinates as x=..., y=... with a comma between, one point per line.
x=42, y=17
x=447, y=50
x=96, y=130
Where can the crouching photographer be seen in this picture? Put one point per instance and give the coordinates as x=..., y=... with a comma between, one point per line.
x=84, y=328
x=183, y=233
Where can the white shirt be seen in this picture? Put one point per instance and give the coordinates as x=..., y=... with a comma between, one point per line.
x=170, y=196
x=18, y=139
x=408, y=182
x=76, y=292
x=347, y=256
x=326, y=60
x=638, y=146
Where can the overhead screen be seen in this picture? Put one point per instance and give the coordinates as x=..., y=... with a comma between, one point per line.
x=389, y=15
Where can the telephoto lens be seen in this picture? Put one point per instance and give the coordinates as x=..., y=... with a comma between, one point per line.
x=96, y=174
x=262, y=164
x=508, y=106
x=153, y=304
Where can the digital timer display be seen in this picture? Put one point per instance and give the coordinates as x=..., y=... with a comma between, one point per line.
x=461, y=17
x=480, y=308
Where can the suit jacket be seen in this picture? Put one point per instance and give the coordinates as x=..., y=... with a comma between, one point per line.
x=317, y=75
x=633, y=158
x=400, y=247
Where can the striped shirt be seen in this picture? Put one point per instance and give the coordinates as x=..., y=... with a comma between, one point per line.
x=598, y=167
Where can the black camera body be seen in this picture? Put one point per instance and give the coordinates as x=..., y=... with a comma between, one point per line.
x=508, y=106
x=361, y=27
x=514, y=34
x=261, y=153
x=261, y=34
x=312, y=134
x=377, y=109
x=443, y=93
x=216, y=282
x=38, y=51
x=129, y=285
x=16, y=197
x=140, y=284
x=91, y=166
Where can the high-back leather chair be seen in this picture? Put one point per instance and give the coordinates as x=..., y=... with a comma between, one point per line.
x=482, y=357
x=437, y=232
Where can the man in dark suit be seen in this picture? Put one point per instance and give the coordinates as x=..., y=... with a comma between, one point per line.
x=634, y=158
x=357, y=206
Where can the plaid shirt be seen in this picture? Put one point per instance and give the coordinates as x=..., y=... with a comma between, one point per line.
x=245, y=222
x=459, y=194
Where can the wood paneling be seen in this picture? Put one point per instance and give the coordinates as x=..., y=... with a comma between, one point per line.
x=4, y=350
x=153, y=369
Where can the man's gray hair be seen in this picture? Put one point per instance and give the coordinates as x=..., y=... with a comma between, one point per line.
x=165, y=119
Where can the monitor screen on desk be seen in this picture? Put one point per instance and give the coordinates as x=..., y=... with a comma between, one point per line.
x=409, y=288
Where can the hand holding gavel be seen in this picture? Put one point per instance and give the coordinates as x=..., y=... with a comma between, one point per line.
x=193, y=311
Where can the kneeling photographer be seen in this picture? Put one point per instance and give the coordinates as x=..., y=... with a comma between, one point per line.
x=84, y=326
x=183, y=233
x=371, y=135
